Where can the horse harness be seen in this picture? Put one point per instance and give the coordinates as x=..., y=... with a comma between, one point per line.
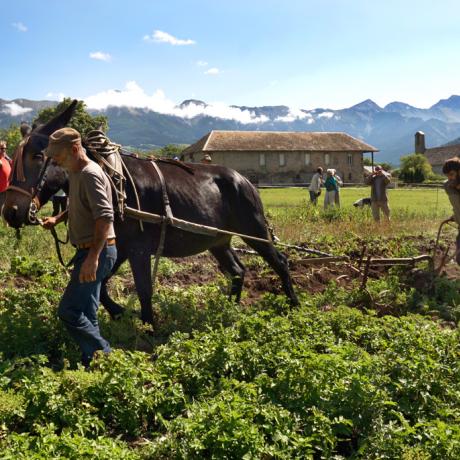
x=18, y=170
x=108, y=155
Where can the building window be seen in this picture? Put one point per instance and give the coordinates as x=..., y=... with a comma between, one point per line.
x=307, y=159
x=282, y=158
x=350, y=159
x=327, y=159
x=261, y=159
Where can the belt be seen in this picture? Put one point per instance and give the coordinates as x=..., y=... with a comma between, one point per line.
x=109, y=242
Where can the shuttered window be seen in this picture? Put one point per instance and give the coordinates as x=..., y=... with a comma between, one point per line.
x=307, y=159
x=261, y=159
x=327, y=159
x=282, y=158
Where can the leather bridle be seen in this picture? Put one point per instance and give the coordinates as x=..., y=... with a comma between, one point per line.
x=18, y=169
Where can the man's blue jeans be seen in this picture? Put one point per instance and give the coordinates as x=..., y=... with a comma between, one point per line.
x=79, y=304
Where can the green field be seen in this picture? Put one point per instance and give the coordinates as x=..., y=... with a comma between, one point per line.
x=426, y=201
x=352, y=373
x=412, y=210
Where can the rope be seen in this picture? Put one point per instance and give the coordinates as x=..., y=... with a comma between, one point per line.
x=57, y=244
x=444, y=258
x=101, y=147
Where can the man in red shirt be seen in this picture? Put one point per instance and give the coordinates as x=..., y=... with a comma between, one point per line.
x=5, y=167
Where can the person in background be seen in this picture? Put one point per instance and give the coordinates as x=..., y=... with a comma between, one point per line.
x=339, y=184
x=5, y=167
x=451, y=169
x=315, y=185
x=59, y=200
x=90, y=216
x=379, y=181
x=206, y=159
x=331, y=188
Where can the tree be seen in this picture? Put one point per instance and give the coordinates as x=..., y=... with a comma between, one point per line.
x=171, y=150
x=12, y=136
x=415, y=168
x=82, y=121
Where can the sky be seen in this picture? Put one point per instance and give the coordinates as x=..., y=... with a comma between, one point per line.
x=300, y=53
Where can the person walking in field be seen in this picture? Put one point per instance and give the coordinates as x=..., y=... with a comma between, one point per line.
x=331, y=189
x=379, y=181
x=315, y=185
x=451, y=169
x=90, y=221
x=339, y=181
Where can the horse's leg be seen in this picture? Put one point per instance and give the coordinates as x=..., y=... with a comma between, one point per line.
x=279, y=263
x=114, y=309
x=142, y=273
x=231, y=265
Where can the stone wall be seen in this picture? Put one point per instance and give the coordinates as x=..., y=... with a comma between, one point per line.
x=295, y=168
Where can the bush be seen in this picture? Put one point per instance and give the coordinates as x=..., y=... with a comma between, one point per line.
x=415, y=168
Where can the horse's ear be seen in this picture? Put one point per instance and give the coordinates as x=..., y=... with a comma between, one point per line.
x=60, y=120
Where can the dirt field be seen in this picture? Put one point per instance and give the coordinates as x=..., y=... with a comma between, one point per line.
x=260, y=279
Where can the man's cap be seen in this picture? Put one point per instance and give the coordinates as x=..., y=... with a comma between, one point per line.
x=64, y=137
x=207, y=157
x=378, y=168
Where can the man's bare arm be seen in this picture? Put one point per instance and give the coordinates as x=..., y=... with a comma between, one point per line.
x=89, y=267
x=50, y=222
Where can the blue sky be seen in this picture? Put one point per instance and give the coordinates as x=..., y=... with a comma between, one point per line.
x=304, y=54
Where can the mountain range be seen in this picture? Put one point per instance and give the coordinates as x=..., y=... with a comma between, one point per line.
x=391, y=128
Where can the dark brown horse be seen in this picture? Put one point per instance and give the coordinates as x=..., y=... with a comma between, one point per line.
x=209, y=195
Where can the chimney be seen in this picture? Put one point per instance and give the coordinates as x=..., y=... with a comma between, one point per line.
x=420, y=142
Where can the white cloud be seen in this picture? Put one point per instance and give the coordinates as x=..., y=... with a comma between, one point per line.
x=159, y=36
x=19, y=26
x=100, y=56
x=134, y=96
x=296, y=114
x=201, y=63
x=212, y=71
x=55, y=96
x=326, y=115
x=13, y=109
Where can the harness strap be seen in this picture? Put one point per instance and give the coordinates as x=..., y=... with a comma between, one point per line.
x=19, y=190
x=164, y=223
x=164, y=193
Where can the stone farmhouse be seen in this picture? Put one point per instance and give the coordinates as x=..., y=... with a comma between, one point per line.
x=269, y=158
x=438, y=155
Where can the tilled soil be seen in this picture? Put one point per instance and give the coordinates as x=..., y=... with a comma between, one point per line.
x=259, y=279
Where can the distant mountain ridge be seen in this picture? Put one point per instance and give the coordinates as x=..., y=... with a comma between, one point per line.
x=390, y=128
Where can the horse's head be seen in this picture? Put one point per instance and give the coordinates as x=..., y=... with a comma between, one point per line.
x=34, y=177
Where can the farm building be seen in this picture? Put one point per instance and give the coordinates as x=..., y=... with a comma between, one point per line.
x=438, y=155
x=267, y=157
